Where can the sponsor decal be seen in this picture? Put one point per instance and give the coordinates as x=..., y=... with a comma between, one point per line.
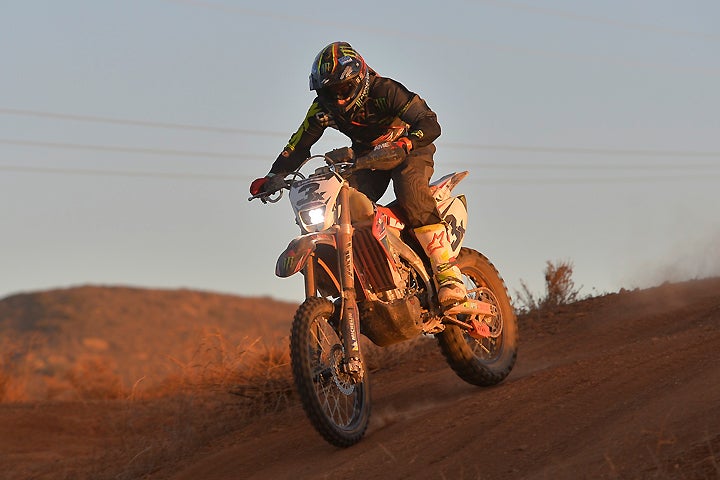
x=347, y=51
x=417, y=134
x=436, y=243
x=353, y=334
x=364, y=94
x=457, y=230
x=310, y=191
x=345, y=60
x=346, y=73
x=348, y=257
x=325, y=119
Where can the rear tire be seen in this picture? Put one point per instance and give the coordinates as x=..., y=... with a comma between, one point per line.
x=487, y=361
x=338, y=408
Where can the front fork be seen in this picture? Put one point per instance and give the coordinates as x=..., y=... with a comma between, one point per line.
x=350, y=318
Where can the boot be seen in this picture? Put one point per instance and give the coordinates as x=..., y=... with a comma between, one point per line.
x=434, y=240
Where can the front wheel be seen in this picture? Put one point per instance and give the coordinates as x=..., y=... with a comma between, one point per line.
x=485, y=361
x=337, y=406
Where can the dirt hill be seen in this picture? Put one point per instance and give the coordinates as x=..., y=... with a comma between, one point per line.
x=623, y=386
x=129, y=334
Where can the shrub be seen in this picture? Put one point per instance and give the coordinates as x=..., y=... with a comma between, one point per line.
x=559, y=289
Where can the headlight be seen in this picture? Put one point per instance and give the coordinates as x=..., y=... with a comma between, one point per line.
x=313, y=216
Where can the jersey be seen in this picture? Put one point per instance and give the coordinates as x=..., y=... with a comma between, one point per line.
x=390, y=112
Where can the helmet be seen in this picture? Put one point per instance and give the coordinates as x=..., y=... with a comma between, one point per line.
x=341, y=77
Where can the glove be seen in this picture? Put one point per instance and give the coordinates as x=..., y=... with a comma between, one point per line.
x=341, y=155
x=270, y=183
x=402, y=142
x=405, y=143
x=258, y=185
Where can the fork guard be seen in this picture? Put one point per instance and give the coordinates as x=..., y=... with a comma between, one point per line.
x=295, y=256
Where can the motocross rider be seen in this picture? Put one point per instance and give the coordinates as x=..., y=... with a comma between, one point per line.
x=376, y=112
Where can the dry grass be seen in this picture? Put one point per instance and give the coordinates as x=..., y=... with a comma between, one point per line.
x=215, y=393
x=256, y=372
x=213, y=389
x=250, y=369
x=16, y=368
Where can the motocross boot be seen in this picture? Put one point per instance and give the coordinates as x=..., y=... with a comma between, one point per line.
x=434, y=240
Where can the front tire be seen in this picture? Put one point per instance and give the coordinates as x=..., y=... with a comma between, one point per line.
x=337, y=407
x=487, y=361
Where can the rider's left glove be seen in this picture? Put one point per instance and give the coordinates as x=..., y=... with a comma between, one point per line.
x=404, y=143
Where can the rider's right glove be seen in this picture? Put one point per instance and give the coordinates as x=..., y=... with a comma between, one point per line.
x=270, y=183
x=258, y=185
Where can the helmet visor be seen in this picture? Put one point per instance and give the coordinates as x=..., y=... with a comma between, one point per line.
x=341, y=91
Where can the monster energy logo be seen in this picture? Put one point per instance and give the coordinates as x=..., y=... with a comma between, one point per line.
x=347, y=51
x=381, y=103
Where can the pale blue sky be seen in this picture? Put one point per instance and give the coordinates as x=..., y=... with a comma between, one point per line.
x=130, y=131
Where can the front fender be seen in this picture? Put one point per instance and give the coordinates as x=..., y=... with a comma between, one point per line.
x=295, y=256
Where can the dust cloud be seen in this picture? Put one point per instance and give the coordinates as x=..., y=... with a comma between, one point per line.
x=691, y=258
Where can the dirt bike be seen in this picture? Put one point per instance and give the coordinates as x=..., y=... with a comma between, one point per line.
x=365, y=273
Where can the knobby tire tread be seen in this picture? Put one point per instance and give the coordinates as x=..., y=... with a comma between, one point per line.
x=310, y=309
x=453, y=343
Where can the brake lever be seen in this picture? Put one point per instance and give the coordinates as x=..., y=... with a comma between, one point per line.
x=267, y=197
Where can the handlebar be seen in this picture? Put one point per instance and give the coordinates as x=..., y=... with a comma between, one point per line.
x=343, y=162
x=266, y=197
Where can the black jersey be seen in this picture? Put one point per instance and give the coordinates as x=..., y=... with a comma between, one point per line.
x=390, y=112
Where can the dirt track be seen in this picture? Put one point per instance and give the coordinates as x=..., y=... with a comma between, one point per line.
x=624, y=386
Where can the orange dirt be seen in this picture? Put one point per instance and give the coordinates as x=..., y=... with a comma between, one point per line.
x=623, y=386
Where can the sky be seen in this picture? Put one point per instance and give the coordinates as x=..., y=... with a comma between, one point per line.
x=131, y=130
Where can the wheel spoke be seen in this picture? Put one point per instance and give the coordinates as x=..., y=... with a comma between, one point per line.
x=485, y=348
x=337, y=405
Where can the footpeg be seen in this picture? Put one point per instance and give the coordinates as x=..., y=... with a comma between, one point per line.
x=472, y=307
x=475, y=316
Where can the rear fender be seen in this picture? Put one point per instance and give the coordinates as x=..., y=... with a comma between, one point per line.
x=295, y=256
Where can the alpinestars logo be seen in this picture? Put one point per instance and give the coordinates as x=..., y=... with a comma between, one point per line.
x=437, y=242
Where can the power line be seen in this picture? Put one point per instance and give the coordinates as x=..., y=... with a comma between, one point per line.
x=586, y=151
x=141, y=123
x=118, y=149
x=509, y=148
x=565, y=166
x=166, y=125
x=486, y=181
x=594, y=180
x=122, y=173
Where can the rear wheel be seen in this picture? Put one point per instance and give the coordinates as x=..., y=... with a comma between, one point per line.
x=484, y=361
x=337, y=407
